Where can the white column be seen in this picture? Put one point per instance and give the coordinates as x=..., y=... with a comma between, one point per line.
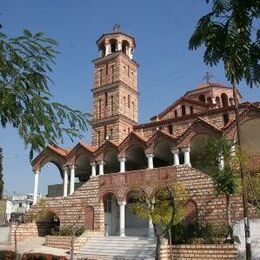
x=221, y=163
x=65, y=182
x=151, y=230
x=119, y=46
x=214, y=101
x=93, y=169
x=186, y=152
x=107, y=49
x=101, y=167
x=150, y=160
x=131, y=53
x=122, y=161
x=36, y=186
x=176, y=158
x=72, y=179
x=233, y=150
x=122, y=218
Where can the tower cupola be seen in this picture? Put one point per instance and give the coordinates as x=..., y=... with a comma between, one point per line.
x=116, y=41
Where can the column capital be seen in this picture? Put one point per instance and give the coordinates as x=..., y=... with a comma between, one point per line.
x=37, y=171
x=149, y=155
x=121, y=203
x=175, y=150
x=72, y=167
x=122, y=159
x=65, y=167
x=92, y=163
x=185, y=149
x=101, y=162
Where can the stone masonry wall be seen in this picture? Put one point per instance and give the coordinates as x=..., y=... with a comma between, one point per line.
x=199, y=252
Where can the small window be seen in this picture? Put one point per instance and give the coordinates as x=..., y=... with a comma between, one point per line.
x=183, y=110
x=106, y=97
x=191, y=110
x=112, y=73
x=20, y=205
x=202, y=98
x=105, y=132
x=100, y=77
x=106, y=68
x=99, y=108
x=112, y=104
x=170, y=129
x=111, y=133
x=226, y=119
x=209, y=100
x=128, y=70
x=128, y=101
x=175, y=113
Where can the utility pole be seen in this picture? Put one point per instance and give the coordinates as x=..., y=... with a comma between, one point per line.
x=243, y=177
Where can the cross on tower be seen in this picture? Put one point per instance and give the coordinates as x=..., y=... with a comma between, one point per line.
x=116, y=27
x=208, y=76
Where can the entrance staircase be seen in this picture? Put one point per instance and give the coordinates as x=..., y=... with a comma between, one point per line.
x=115, y=247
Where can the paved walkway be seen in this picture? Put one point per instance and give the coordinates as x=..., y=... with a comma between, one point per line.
x=35, y=245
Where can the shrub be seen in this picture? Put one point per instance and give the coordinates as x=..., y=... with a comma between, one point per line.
x=197, y=233
x=7, y=255
x=41, y=256
x=66, y=230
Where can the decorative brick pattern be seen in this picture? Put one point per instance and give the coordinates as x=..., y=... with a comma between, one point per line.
x=198, y=252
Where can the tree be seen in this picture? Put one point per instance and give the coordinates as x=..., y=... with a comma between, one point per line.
x=167, y=207
x=1, y=174
x=225, y=177
x=25, y=98
x=229, y=35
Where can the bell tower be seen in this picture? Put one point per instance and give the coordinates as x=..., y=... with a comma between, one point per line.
x=115, y=95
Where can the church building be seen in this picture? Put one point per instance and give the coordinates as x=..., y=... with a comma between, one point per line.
x=98, y=178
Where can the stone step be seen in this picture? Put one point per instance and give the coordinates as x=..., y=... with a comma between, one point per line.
x=115, y=247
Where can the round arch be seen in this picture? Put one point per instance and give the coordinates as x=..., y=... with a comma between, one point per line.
x=125, y=46
x=111, y=211
x=83, y=169
x=113, y=45
x=134, y=225
x=136, y=158
x=47, y=222
x=224, y=100
x=162, y=154
x=112, y=164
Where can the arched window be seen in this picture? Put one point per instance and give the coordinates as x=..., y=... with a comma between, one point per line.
x=106, y=98
x=100, y=77
x=231, y=101
x=98, y=139
x=191, y=110
x=112, y=73
x=112, y=104
x=170, y=129
x=113, y=44
x=218, y=101
x=183, y=110
x=209, y=100
x=125, y=47
x=225, y=119
x=224, y=100
x=105, y=132
x=175, y=113
x=99, y=108
x=202, y=98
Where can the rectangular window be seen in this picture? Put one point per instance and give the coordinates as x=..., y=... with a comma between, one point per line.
x=98, y=141
x=106, y=68
x=99, y=108
x=128, y=101
x=105, y=132
x=112, y=104
x=100, y=77
x=111, y=134
x=106, y=97
x=112, y=73
x=128, y=71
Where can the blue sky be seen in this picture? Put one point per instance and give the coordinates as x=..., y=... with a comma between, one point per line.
x=167, y=68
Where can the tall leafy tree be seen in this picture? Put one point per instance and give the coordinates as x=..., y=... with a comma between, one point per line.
x=25, y=99
x=1, y=174
x=230, y=34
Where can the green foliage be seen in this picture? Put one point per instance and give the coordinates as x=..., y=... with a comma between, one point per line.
x=67, y=230
x=25, y=99
x=193, y=233
x=228, y=32
x=7, y=255
x=1, y=174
